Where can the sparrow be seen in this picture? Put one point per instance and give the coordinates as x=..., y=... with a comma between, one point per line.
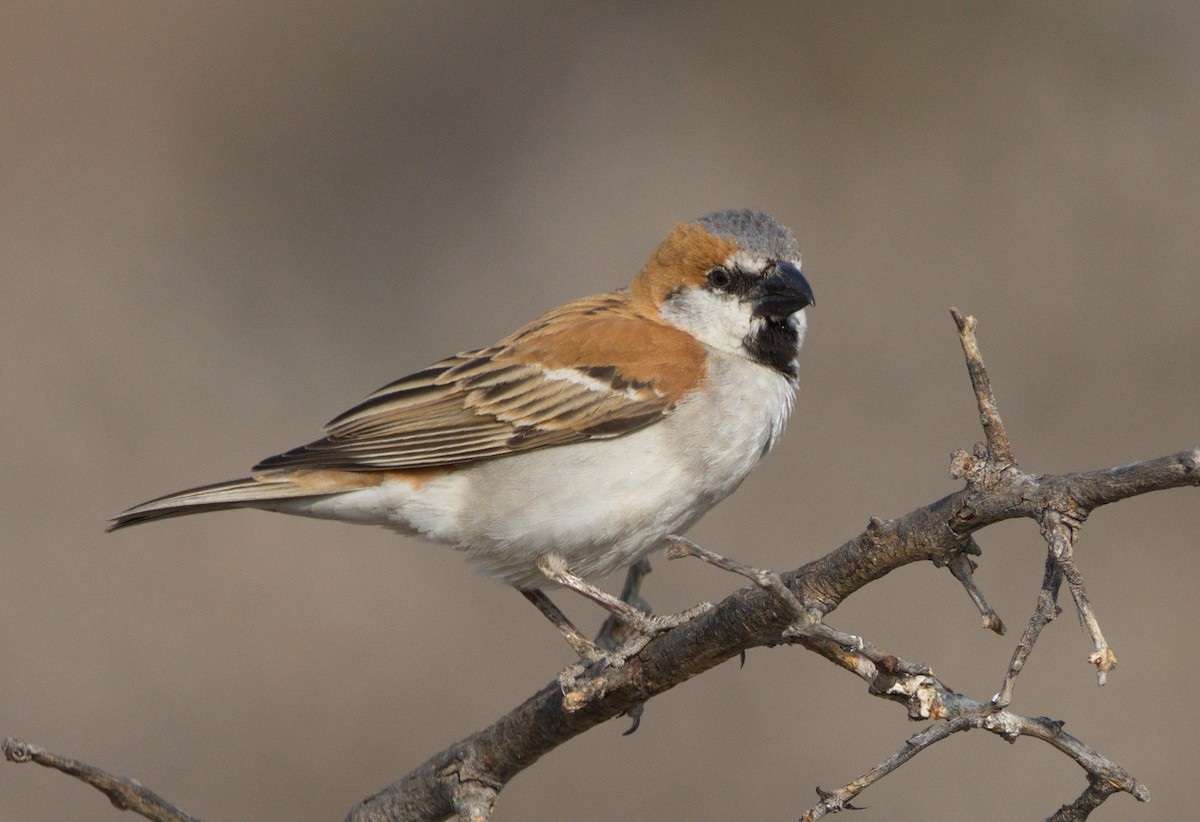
x=575, y=446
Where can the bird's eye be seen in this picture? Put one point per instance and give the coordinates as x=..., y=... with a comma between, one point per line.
x=719, y=277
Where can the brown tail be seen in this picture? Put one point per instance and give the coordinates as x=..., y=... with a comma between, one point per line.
x=238, y=493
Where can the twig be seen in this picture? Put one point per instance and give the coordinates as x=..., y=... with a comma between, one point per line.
x=963, y=569
x=126, y=794
x=678, y=547
x=1104, y=777
x=804, y=624
x=1047, y=609
x=1060, y=517
x=1093, y=796
x=1060, y=536
x=999, y=448
x=925, y=698
x=839, y=800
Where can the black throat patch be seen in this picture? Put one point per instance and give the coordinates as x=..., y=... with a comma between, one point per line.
x=774, y=344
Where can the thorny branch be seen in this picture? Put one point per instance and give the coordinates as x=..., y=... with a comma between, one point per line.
x=126, y=794
x=790, y=608
x=925, y=698
x=963, y=568
x=1000, y=450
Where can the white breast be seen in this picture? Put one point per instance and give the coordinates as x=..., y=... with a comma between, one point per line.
x=605, y=503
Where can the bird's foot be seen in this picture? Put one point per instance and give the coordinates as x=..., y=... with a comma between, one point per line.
x=651, y=625
x=583, y=682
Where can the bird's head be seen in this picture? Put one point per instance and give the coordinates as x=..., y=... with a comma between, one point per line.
x=732, y=280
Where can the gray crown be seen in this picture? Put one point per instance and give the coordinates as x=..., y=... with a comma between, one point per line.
x=755, y=232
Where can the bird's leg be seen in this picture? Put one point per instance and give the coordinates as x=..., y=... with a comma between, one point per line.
x=579, y=643
x=614, y=632
x=555, y=569
x=645, y=626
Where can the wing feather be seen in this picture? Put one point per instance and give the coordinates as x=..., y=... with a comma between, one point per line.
x=592, y=369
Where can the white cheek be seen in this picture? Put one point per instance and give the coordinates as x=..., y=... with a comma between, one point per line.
x=720, y=320
x=717, y=320
x=799, y=322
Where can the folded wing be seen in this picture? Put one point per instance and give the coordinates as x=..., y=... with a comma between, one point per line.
x=592, y=369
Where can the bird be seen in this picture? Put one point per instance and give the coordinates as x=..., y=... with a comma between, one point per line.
x=578, y=444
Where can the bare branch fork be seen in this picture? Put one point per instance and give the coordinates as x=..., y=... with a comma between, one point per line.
x=465, y=779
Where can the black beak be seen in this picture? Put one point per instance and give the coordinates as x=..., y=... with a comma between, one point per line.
x=783, y=293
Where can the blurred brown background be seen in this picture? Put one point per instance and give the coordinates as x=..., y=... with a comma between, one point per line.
x=223, y=223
